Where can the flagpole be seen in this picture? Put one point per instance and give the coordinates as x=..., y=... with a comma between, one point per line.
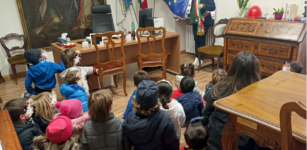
x=135, y=14
x=154, y=8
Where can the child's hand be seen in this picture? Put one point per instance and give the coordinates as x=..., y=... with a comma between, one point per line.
x=53, y=98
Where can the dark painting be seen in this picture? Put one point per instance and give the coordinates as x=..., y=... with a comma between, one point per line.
x=46, y=20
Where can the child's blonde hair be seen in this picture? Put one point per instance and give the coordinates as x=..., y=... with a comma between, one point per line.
x=43, y=106
x=218, y=75
x=42, y=143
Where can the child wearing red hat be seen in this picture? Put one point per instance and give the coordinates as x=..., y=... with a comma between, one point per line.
x=73, y=110
x=58, y=136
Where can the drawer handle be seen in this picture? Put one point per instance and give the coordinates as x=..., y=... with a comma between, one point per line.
x=240, y=46
x=271, y=67
x=273, y=50
x=256, y=46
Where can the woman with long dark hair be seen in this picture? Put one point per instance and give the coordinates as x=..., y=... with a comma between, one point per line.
x=243, y=71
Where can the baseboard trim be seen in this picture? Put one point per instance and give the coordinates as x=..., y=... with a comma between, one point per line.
x=19, y=74
x=182, y=52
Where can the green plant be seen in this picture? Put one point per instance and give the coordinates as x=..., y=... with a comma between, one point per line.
x=242, y=4
x=279, y=11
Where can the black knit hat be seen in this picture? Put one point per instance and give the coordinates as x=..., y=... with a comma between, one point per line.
x=147, y=94
x=33, y=56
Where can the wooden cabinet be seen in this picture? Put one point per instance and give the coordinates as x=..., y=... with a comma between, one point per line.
x=273, y=42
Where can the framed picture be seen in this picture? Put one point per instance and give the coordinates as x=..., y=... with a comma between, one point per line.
x=43, y=21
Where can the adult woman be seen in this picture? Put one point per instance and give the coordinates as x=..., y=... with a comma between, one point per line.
x=200, y=40
x=243, y=71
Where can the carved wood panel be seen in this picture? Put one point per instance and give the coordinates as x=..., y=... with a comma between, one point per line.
x=274, y=50
x=239, y=45
x=269, y=29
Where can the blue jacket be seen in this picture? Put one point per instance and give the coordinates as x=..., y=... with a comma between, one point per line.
x=192, y=105
x=154, y=132
x=42, y=75
x=129, y=105
x=75, y=91
x=210, y=6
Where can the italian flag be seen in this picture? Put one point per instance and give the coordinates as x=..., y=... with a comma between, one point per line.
x=143, y=4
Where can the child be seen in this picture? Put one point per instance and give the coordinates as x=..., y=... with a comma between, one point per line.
x=41, y=73
x=138, y=77
x=186, y=70
x=190, y=100
x=73, y=110
x=217, y=76
x=296, y=67
x=57, y=137
x=148, y=127
x=25, y=132
x=72, y=90
x=103, y=125
x=71, y=58
x=171, y=106
x=196, y=137
x=44, y=110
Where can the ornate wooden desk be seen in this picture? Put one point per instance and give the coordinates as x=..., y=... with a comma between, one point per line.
x=254, y=111
x=273, y=42
x=172, y=46
x=8, y=134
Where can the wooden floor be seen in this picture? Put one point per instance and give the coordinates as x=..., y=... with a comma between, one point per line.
x=9, y=90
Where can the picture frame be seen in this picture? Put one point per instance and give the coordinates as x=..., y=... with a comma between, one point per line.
x=43, y=21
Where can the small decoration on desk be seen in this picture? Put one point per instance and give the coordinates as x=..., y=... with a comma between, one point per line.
x=65, y=41
x=254, y=12
x=279, y=13
x=242, y=6
x=298, y=19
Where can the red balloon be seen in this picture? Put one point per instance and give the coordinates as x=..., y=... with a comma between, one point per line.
x=254, y=12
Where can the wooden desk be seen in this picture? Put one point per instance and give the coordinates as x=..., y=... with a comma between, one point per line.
x=254, y=111
x=172, y=46
x=272, y=41
x=8, y=134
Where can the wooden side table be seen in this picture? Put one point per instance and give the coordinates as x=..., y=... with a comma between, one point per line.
x=1, y=78
x=254, y=111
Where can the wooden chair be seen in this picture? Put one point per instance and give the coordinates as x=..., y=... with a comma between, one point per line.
x=112, y=67
x=17, y=59
x=1, y=78
x=212, y=50
x=285, y=122
x=152, y=59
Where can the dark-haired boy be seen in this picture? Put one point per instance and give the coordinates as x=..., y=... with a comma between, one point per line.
x=190, y=100
x=196, y=137
x=25, y=132
x=138, y=77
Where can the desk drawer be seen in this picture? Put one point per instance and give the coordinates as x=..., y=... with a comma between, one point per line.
x=282, y=51
x=266, y=66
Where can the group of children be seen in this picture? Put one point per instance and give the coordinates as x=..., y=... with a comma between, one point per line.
x=153, y=118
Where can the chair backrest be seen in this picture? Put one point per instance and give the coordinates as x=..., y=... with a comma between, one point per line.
x=285, y=122
x=102, y=20
x=151, y=43
x=13, y=36
x=111, y=46
x=220, y=22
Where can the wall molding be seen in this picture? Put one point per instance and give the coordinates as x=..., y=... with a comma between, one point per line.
x=182, y=51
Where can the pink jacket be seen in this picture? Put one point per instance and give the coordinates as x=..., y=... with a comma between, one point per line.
x=77, y=123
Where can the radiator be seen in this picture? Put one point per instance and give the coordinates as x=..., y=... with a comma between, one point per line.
x=189, y=38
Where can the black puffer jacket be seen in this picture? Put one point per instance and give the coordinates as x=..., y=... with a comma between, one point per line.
x=26, y=133
x=215, y=120
x=154, y=132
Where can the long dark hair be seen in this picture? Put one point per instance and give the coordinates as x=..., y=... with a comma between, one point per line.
x=243, y=71
x=165, y=93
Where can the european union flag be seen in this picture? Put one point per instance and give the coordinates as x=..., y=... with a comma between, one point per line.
x=127, y=3
x=178, y=7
